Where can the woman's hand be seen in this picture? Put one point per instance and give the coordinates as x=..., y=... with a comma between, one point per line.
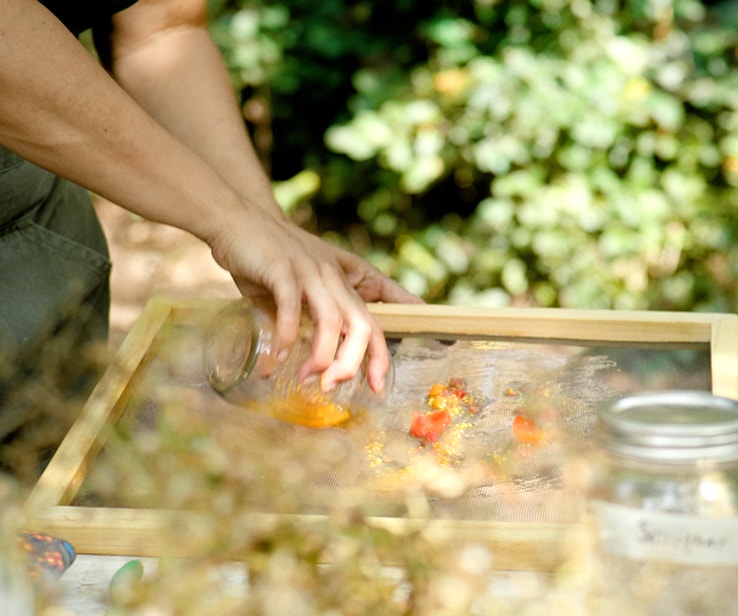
x=269, y=255
x=164, y=138
x=371, y=284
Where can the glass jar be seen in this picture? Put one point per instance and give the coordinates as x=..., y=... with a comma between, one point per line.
x=241, y=365
x=665, y=506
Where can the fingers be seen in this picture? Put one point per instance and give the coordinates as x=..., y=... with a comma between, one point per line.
x=370, y=283
x=288, y=299
x=345, y=332
x=394, y=293
x=378, y=362
x=349, y=354
x=297, y=269
x=363, y=337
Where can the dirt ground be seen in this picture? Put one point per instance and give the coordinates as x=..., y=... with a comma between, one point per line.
x=151, y=260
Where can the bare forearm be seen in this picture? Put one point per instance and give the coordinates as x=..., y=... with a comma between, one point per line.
x=171, y=67
x=59, y=109
x=175, y=151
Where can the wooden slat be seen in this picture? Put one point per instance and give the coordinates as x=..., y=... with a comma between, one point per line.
x=724, y=357
x=657, y=327
x=516, y=546
x=547, y=323
x=104, y=530
x=66, y=470
x=148, y=532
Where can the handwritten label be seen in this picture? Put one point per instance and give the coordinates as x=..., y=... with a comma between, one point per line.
x=684, y=539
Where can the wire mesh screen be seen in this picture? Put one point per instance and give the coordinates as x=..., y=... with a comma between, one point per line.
x=471, y=429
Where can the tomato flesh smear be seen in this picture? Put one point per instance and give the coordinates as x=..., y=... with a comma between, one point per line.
x=527, y=431
x=429, y=426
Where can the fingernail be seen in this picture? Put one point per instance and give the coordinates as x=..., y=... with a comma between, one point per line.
x=282, y=356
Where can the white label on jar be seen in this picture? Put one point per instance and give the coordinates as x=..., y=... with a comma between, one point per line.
x=685, y=539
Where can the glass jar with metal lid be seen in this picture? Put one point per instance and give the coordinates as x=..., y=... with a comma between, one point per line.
x=665, y=505
x=241, y=365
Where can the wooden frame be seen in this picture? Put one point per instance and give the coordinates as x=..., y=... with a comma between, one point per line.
x=100, y=530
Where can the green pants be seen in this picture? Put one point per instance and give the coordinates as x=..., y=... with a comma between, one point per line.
x=54, y=300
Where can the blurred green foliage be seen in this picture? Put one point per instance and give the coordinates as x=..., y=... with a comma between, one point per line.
x=578, y=153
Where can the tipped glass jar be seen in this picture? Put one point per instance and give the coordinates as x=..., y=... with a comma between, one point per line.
x=241, y=365
x=665, y=506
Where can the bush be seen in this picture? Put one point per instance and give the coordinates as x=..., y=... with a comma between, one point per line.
x=555, y=152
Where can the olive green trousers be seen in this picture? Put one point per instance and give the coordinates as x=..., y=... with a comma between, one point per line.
x=54, y=303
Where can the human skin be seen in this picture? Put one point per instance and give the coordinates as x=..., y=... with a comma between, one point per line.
x=162, y=136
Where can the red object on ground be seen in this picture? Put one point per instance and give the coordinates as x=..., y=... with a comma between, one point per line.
x=429, y=426
x=527, y=431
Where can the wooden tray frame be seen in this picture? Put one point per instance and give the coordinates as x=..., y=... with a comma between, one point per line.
x=120, y=531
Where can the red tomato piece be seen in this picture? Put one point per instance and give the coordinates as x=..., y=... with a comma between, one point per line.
x=526, y=430
x=429, y=426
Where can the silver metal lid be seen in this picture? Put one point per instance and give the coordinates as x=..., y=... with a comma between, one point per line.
x=671, y=426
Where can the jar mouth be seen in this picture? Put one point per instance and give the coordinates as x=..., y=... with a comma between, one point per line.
x=241, y=366
x=232, y=346
x=671, y=426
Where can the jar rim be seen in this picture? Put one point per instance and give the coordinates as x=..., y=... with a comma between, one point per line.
x=672, y=426
x=233, y=343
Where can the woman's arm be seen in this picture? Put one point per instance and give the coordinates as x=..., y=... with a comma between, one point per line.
x=61, y=110
x=162, y=54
